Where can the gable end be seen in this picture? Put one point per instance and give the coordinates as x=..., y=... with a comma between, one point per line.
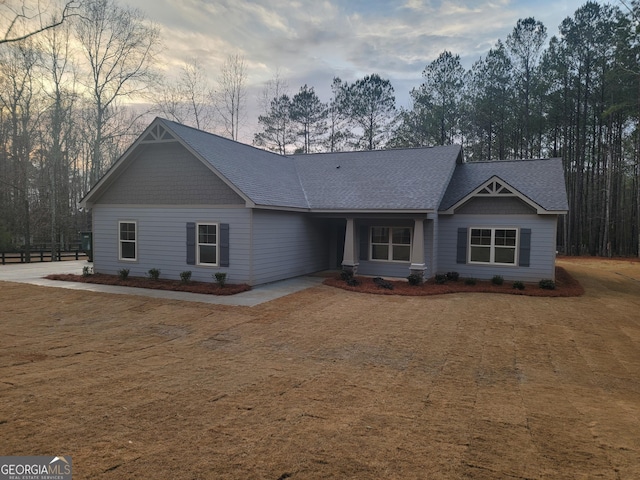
x=495, y=205
x=168, y=174
x=486, y=195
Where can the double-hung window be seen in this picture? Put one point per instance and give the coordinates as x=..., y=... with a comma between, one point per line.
x=493, y=245
x=207, y=243
x=127, y=235
x=391, y=244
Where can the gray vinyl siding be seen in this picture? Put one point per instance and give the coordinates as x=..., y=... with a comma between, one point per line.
x=167, y=174
x=543, y=245
x=495, y=206
x=161, y=240
x=287, y=244
x=383, y=269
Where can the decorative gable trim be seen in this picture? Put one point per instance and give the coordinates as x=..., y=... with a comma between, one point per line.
x=157, y=134
x=496, y=187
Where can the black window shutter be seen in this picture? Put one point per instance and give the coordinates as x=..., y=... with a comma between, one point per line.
x=191, y=243
x=224, y=244
x=525, y=247
x=461, y=250
x=364, y=243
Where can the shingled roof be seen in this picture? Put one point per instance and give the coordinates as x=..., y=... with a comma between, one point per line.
x=402, y=179
x=541, y=181
x=411, y=179
x=414, y=179
x=265, y=178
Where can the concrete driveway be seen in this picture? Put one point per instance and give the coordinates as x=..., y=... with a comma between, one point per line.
x=34, y=273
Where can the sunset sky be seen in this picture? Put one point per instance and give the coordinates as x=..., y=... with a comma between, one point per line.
x=312, y=41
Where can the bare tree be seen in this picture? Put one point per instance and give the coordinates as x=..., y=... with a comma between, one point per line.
x=189, y=100
x=20, y=20
x=274, y=88
x=17, y=96
x=276, y=134
x=232, y=94
x=119, y=46
x=58, y=134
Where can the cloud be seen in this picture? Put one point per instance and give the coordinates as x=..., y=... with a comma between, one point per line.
x=311, y=41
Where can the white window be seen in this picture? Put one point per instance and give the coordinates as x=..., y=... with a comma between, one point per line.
x=127, y=236
x=392, y=244
x=207, y=244
x=493, y=245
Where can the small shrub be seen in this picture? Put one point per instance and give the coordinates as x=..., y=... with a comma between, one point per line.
x=123, y=273
x=518, y=285
x=221, y=278
x=382, y=283
x=453, y=276
x=415, y=279
x=154, y=274
x=547, y=284
x=185, y=276
x=353, y=282
x=346, y=275
x=470, y=281
x=497, y=280
x=440, y=279
x=87, y=270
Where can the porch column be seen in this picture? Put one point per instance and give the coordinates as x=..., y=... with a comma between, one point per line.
x=417, y=266
x=349, y=257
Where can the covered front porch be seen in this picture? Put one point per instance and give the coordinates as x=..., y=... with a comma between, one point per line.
x=386, y=245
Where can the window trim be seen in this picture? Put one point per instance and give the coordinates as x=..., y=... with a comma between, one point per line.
x=134, y=241
x=217, y=244
x=492, y=246
x=390, y=243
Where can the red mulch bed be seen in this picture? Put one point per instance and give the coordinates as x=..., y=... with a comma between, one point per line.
x=160, y=284
x=566, y=286
x=587, y=258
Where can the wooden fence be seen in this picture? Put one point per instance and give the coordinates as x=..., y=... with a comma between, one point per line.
x=42, y=255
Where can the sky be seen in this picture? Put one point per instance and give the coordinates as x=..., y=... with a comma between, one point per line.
x=312, y=41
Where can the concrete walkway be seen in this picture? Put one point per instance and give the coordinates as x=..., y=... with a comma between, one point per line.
x=33, y=274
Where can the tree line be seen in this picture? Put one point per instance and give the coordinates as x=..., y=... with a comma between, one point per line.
x=66, y=113
x=70, y=72
x=574, y=95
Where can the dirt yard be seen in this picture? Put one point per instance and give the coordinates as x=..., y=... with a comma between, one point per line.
x=328, y=383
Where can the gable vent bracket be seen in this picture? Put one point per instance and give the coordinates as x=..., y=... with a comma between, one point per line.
x=158, y=134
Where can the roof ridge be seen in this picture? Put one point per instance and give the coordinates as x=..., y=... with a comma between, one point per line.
x=231, y=140
x=304, y=190
x=342, y=152
x=513, y=160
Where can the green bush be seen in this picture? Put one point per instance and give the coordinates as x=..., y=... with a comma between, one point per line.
x=453, y=276
x=353, y=282
x=470, y=281
x=346, y=275
x=415, y=279
x=547, y=284
x=185, y=276
x=154, y=274
x=123, y=273
x=221, y=278
x=382, y=283
x=518, y=285
x=497, y=280
x=440, y=279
